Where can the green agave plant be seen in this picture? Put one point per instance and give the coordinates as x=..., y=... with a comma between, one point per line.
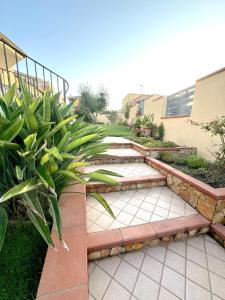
x=42, y=149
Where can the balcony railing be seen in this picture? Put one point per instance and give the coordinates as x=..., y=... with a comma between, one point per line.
x=15, y=65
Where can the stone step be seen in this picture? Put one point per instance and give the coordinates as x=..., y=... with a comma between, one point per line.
x=116, y=241
x=126, y=183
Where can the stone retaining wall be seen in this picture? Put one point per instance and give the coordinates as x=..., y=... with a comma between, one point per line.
x=155, y=152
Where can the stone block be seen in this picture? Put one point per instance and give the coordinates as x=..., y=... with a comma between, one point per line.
x=206, y=206
x=138, y=246
x=192, y=232
x=116, y=251
x=105, y=252
x=94, y=255
x=180, y=236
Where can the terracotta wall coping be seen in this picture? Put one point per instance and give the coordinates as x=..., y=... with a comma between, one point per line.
x=134, y=144
x=219, y=229
x=64, y=275
x=160, y=149
x=207, y=189
x=140, y=233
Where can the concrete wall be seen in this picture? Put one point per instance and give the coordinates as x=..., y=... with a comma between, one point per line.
x=208, y=103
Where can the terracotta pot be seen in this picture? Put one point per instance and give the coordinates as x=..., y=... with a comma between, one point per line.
x=147, y=131
x=137, y=131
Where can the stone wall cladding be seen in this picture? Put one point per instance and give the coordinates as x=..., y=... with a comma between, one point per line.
x=210, y=202
x=104, y=188
x=155, y=152
x=117, y=160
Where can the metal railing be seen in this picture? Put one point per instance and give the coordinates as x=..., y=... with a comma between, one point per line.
x=15, y=65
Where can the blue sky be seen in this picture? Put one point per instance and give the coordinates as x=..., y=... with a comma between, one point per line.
x=165, y=45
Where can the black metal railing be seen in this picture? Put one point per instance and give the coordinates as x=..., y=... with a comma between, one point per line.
x=15, y=65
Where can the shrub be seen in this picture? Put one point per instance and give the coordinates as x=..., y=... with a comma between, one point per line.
x=167, y=156
x=161, y=131
x=214, y=174
x=42, y=147
x=195, y=161
x=160, y=144
x=216, y=128
x=113, y=117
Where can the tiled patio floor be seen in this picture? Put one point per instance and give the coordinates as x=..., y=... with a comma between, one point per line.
x=135, y=207
x=126, y=170
x=192, y=269
x=122, y=152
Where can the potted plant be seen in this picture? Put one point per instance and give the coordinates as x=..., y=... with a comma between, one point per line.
x=147, y=124
x=137, y=126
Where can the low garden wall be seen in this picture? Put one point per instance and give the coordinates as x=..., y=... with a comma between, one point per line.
x=64, y=274
x=218, y=232
x=209, y=201
x=155, y=152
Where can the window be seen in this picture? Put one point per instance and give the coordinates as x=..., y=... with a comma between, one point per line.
x=180, y=103
x=141, y=107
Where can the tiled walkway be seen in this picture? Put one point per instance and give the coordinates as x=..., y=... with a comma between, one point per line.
x=136, y=207
x=190, y=270
x=126, y=170
x=122, y=152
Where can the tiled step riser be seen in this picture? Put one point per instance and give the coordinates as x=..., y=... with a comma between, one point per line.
x=124, y=186
x=117, y=160
x=120, y=249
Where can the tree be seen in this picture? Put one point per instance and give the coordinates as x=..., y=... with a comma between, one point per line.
x=92, y=104
x=126, y=110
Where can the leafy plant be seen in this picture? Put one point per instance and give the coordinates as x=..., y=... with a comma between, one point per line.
x=161, y=131
x=126, y=110
x=167, y=156
x=160, y=144
x=195, y=161
x=216, y=128
x=138, y=122
x=42, y=148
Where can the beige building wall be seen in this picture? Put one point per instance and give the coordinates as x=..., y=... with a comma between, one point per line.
x=208, y=103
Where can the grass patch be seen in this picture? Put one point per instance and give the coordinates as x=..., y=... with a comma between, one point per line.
x=21, y=262
x=117, y=130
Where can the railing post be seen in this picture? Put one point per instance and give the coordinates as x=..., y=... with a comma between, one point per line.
x=6, y=64
x=64, y=90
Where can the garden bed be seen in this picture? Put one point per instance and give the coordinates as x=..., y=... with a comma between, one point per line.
x=21, y=261
x=197, y=167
